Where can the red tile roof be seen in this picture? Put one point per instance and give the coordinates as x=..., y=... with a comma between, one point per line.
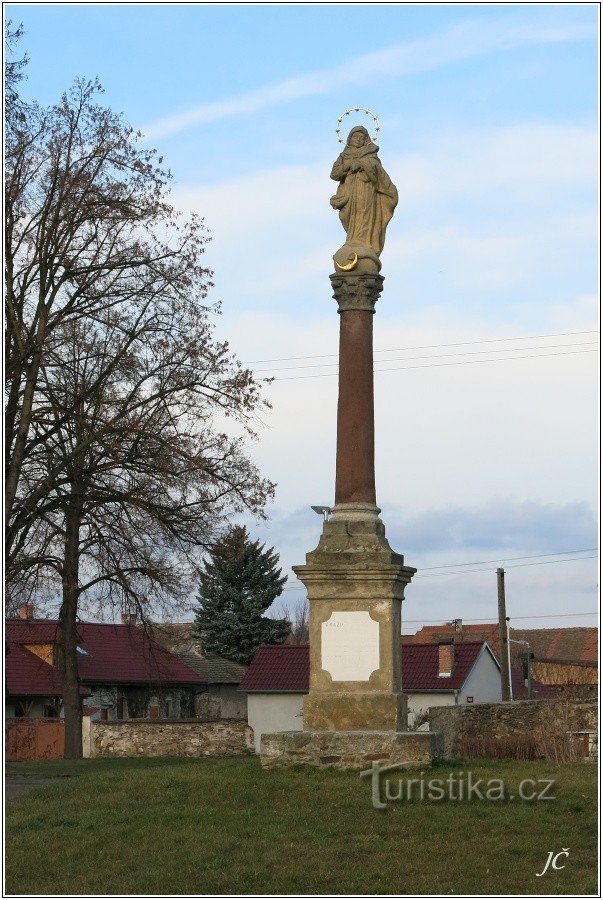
x=113, y=653
x=282, y=668
x=569, y=644
x=420, y=666
x=539, y=691
x=31, y=631
x=287, y=668
x=29, y=676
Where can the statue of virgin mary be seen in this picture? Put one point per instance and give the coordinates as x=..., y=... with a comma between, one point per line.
x=366, y=199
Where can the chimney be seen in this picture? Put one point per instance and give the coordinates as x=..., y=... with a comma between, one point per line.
x=445, y=658
x=26, y=611
x=128, y=618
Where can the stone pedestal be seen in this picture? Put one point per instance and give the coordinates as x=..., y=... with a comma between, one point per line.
x=350, y=749
x=355, y=585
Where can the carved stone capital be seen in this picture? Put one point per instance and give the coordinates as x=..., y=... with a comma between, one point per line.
x=356, y=291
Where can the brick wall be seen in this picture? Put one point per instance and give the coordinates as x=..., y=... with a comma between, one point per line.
x=162, y=737
x=543, y=723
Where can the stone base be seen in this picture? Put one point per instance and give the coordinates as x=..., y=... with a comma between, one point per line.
x=350, y=749
x=356, y=582
x=355, y=711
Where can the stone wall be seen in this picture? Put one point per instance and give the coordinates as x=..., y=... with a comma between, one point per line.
x=544, y=723
x=349, y=749
x=208, y=708
x=162, y=737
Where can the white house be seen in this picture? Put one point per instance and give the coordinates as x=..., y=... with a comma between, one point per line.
x=432, y=675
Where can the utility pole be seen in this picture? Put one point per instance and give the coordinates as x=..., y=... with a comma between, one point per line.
x=505, y=668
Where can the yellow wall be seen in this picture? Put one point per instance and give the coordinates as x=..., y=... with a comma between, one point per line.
x=44, y=651
x=563, y=673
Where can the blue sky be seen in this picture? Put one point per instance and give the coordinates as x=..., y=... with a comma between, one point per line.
x=489, y=129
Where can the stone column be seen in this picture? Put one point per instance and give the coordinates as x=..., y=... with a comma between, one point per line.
x=356, y=296
x=355, y=581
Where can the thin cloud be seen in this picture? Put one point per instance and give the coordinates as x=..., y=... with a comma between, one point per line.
x=459, y=43
x=531, y=526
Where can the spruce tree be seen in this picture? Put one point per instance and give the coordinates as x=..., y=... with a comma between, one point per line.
x=239, y=582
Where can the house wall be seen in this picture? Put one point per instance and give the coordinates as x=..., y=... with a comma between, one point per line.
x=37, y=710
x=283, y=712
x=564, y=673
x=173, y=703
x=268, y=713
x=483, y=682
x=419, y=704
x=233, y=703
x=43, y=651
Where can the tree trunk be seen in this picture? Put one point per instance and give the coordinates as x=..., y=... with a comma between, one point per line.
x=68, y=636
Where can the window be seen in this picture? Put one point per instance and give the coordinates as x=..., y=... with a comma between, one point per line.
x=104, y=714
x=51, y=710
x=122, y=708
x=23, y=707
x=154, y=712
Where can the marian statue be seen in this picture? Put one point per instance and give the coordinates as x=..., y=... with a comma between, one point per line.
x=366, y=199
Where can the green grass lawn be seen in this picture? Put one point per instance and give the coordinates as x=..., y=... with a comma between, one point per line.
x=195, y=826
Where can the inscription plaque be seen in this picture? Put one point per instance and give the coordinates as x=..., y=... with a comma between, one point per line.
x=350, y=646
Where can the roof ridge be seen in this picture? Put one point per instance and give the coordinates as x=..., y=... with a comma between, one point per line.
x=435, y=644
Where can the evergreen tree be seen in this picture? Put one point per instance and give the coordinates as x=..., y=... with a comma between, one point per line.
x=239, y=582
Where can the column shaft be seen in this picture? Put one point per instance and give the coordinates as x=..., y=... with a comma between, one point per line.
x=355, y=467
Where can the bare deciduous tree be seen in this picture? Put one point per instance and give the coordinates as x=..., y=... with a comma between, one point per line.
x=116, y=475
x=298, y=616
x=84, y=208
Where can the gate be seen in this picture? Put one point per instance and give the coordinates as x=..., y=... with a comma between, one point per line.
x=31, y=739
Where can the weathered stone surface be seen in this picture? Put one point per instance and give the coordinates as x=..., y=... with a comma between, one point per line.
x=171, y=738
x=356, y=292
x=354, y=569
x=550, y=719
x=208, y=708
x=349, y=749
x=353, y=541
x=354, y=711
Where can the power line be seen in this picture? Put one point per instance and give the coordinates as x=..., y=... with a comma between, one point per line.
x=512, y=618
x=546, y=562
x=437, y=365
x=484, y=562
x=437, y=356
x=527, y=337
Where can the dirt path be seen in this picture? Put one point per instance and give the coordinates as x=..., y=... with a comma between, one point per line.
x=18, y=785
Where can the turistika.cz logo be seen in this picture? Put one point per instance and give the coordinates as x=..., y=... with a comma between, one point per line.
x=457, y=786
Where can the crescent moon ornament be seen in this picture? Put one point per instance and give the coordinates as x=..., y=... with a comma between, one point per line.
x=350, y=266
x=347, y=112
